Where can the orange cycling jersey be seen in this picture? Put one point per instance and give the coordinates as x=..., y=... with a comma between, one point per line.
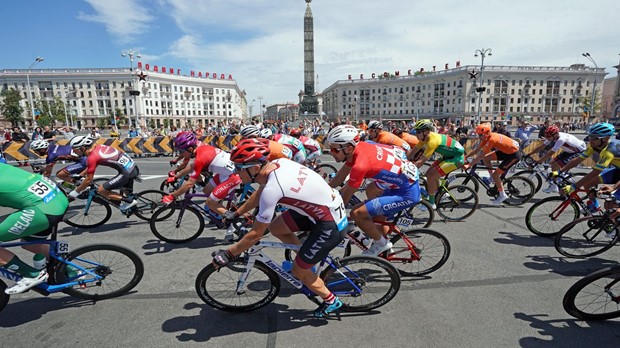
x=388, y=138
x=277, y=150
x=499, y=142
x=411, y=139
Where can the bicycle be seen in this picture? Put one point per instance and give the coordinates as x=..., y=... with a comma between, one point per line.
x=595, y=296
x=327, y=171
x=251, y=281
x=537, y=173
x=454, y=202
x=547, y=216
x=92, y=272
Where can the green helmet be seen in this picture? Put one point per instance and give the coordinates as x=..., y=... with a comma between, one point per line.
x=422, y=125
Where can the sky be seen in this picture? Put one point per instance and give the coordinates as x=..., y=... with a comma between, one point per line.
x=260, y=42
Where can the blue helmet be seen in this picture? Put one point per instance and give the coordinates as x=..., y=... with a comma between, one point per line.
x=602, y=130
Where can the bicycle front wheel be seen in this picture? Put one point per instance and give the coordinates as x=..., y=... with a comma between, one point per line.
x=596, y=296
x=148, y=202
x=85, y=214
x=588, y=236
x=418, y=252
x=421, y=215
x=547, y=216
x=362, y=283
x=533, y=176
x=518, y=189
x=120, y=270
x=177, y=224
x=458, y=203
x=224, y=288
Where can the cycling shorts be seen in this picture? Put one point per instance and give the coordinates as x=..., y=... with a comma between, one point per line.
x=507, y=160
x=224, y=188
x=393, y=201
x=563, y=158
x=323, y=236
x=445, y=166
x=30, y=223
x=123, y=180
x=610, y=175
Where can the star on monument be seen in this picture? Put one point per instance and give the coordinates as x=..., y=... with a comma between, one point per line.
x=142, y=76
x=473, y=74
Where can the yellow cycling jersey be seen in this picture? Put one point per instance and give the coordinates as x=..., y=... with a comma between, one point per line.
x=609, y=155
x=442, y=144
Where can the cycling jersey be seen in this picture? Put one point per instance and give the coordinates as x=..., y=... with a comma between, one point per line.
x=65, y=152
x=277, y=150
x=442, y=144
x=568, y=143
x=388, y=138
x=499, y=142
x=109, y=157
x=214, y=160
x=411, y=139
x=313, y=148
x=299, y=151
x=609, y=155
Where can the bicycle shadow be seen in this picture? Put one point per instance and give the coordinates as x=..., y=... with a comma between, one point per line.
x=569, y=332
x=530, y=240
x=567, y=266
x=211, y=323
x=22, y=312
x=156, y=246
x=110, y=226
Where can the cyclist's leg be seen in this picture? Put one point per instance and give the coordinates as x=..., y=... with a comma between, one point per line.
x=120, y=181
x=65, y=173
x=432, y=180
x=508, y=160
x=221, y=191
x=373, y=191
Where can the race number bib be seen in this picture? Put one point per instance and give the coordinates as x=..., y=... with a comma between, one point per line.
x=410, y=170
x=126, y=162
x=43, y=190
x=340, y=216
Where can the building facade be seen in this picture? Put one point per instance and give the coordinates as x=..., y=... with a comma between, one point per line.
x=95, y=93
x=511, y=92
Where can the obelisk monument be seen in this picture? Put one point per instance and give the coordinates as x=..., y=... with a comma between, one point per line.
x=309, y=102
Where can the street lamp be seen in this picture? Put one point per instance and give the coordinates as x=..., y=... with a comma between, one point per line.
x=64, y=104
x=260, y=106
x=187, y=94
x=355, y=107
x=36, y=61
x=483, y=52
x=587, y=55
x=228, y=106
x=133, y=92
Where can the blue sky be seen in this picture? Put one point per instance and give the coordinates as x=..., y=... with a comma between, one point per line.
x=260, y=42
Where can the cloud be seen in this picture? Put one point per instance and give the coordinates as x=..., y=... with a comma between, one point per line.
x=125, y=20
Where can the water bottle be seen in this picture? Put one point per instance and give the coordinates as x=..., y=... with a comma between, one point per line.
x=593, y=205
x=38, y=261
x=486, y=180
x=287, y=266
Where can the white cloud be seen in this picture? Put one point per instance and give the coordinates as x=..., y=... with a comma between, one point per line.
x=125, y=20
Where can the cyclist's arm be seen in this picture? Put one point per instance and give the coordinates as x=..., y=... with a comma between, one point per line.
x=87, y=180
x=185, y=169
x=251, y=238
x=545, y=157
x=421, y=161
x=572, y=164
x=187, y=185
x=48, y=170
x=538, y=149
x=588, y=178
x=347, y=192
x=340, y=176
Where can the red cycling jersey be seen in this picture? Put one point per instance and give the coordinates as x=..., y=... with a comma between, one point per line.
x=383, y=164
x=109, y=156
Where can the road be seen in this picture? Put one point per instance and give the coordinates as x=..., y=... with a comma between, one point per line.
x=502, y=287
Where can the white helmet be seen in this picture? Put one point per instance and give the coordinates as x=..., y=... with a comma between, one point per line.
x=265, y=133
x=39, y=145
x=81, y=140
x=374, y=124
x=249, y=131
x=343, y=135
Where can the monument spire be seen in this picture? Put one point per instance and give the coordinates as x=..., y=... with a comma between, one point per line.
x=309, y=102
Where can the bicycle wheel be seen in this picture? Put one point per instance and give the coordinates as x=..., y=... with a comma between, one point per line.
x=341, y=251
x=121, y=270
x=547, y=216
x=327, y=171
x=180, y=225
x=421, y=251
x=587, y=237
x=533, y=176
x=420, y=215
x=4, y=298
x=148, y=202
x=518, y=189
x=596, y=296
x=219, y=288
x=168, y=187
x=86, y=214
x=362, y=283
x=458, y=203
x=464, y=179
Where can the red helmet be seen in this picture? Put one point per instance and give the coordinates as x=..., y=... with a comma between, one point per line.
x=551, y=131
x=397, y=131
x=483, y=128
x=250, y=151
x=295, y=132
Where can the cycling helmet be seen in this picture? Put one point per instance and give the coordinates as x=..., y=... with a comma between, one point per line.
x=185, y=140
x=423, y=125
x=249, y=131
x=602, y=130
x=483, y=128
x=250, y=151
x=375, y=125
x=551, y=131
x=343, y=135
x=265, y=133
x=397, y=131
x=81, y=140
x=39, y=145
x=295, y=132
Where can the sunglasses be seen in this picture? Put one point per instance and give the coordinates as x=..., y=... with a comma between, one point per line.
x=334, y=151
x=594, y=137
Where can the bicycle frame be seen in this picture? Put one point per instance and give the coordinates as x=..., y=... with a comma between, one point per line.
x=573, y=197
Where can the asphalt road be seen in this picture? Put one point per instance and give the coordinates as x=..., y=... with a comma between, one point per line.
x=502, y=287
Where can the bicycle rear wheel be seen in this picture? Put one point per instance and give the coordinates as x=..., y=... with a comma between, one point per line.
x=219, y=287
x=518, y=189
x=546, y=217
x=588, y=236
x=4, y=298
x=84, y=214
x=421, y=251
x=177, y=224
x=362, y=283
x=596, y=296
x=464, y=179
x=327, y=171
x=121, y=270
x=148, y=202
x=533, y=176
x=458, y=203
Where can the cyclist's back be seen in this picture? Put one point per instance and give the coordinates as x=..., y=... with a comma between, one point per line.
x=388, y=138
x=278, y=150
x=296, y=146
x=442, y=144
x=109, y=156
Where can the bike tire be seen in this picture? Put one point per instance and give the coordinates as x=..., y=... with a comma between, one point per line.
x=378, y=279
x=172, y=228
x=534, y=177
x=458, y=203
x=340, y=252
x=539, y=221
x=326, y=171
x=421, y=215
x=148, y=202
x=587, y=237
x=4, y=298
x=431, y=251
x=218, y=287
x=99, y=212
x=118, y=266
x=518, y=189
x=167, y=187
x=465, y=179
x=582, y=300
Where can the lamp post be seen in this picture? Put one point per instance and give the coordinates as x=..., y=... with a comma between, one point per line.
x=145, y=90
x=187, y=94
x=36, y=61
x=355, y=108
x=64, y=104
x=483, y=52
x=587, y=55
x=228, y=106
x=260, y=106
x=251, y=106
x=132, y=54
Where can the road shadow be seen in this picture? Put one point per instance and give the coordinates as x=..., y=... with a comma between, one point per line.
x=569, y=332
x=567, y=266
x=530, y=240
x=156, y=246
x=18, y=313
x=67, y=230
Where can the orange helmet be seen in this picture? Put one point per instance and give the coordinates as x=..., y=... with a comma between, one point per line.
x=483, y=128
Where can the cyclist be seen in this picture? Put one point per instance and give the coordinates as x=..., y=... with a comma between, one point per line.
x=184, y=157
x=314, y=207
x=607, y=169
x=109, y=157
x=296, y=146
x=378, y=135
x=452, y=153
x=56, y=153
x=495, y=147
x=411, y=139
x=276, y=150
x=41, y=205
x=395, y=181
x=569, y=145
x=313, y=147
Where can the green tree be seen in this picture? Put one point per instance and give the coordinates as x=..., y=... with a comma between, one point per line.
x=584, y=104
x=10, y=108
x=166, y=123
x=118, y=117
x=152, y=124
x=51, y=111
x=102, y=122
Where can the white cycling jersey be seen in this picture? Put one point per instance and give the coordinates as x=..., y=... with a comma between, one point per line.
x=568, y=143
x=300, y=188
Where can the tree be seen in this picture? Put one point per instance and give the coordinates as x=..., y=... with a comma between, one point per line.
x=10, y=108
x=584, y=104
x=166, y=123
x=50, y=111
x=118, y=117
